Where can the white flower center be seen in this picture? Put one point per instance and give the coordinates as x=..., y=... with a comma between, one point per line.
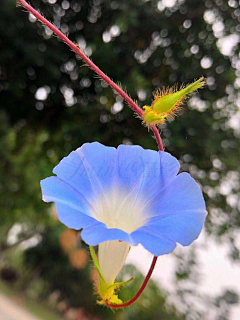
x=120, y=210
x=124, y=211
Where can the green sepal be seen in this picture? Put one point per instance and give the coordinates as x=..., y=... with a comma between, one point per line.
x=120, y=284
x=115, y=300
x=151, y=116
x=97, y=266
x=107, y=292
x=168, y=101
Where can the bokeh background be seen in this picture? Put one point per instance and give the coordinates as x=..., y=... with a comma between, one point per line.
x=51, y=104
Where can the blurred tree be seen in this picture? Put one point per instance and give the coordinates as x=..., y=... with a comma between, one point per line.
x=51, y=104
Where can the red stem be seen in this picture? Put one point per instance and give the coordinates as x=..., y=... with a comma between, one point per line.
x=158, y=138
x=79, y=52
x=92, y=65
x=128, y=303
x=130, y=102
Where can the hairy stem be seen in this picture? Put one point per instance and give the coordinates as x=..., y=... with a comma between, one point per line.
x=125, y=96
x=158, y=138
x=80, y=53
x=91, y=65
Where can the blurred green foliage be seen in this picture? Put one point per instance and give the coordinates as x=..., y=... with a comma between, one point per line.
x=48, y=262
x=52, y=104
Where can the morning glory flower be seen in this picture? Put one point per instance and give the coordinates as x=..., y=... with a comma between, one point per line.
x=124, y=197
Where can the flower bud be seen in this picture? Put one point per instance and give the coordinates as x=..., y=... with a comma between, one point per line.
x=167, y=102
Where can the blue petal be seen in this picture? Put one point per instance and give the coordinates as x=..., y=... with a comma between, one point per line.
x=90, y=169
x=153, y=242
x=145, y=171
x=94, y=168
x=183, y=226
x=72, y=218
x=176, y=203
x=179, y=211
x=182, y=194
x=97, y=233
x=56, y=190
x=71, y=170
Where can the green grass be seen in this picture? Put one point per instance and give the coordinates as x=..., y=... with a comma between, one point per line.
x=36, y=308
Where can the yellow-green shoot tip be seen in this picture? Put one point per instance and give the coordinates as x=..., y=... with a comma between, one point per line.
x=167, y=103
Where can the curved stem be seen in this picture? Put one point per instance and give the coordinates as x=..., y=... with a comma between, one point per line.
x=92, y=65
x=137, y=295
x=124, y=95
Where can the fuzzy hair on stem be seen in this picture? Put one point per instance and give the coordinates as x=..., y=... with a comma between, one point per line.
x=91, y=65
x=124, y=95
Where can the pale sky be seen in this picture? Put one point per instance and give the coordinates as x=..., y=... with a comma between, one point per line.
x=217, y=271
